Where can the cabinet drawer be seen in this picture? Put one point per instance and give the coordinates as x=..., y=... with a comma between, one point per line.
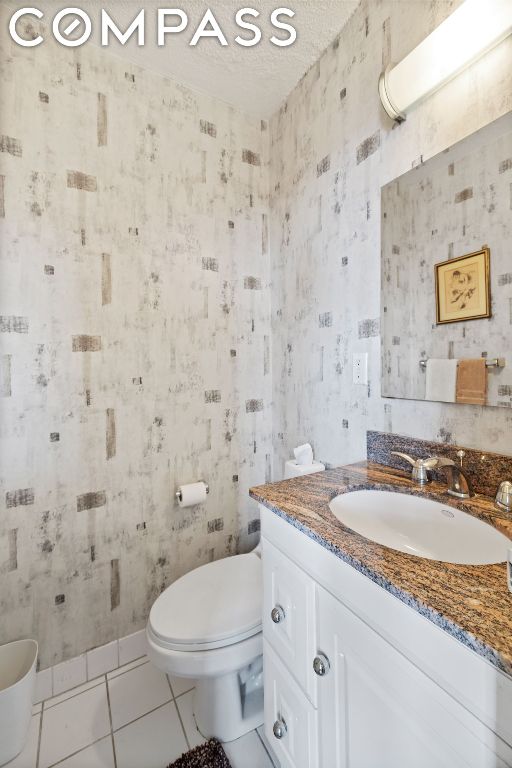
x=286, y=705
x=289, y=616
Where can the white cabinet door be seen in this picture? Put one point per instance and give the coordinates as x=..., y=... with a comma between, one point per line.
x=290, y=718
x=377, y=710
x=289, y=615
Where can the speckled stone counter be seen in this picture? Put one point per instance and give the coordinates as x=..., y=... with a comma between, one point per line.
x=470, y=602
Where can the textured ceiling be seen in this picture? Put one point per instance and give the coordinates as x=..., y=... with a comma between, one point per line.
x=256, y=79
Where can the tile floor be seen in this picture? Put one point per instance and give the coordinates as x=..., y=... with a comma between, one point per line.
x=133, y=717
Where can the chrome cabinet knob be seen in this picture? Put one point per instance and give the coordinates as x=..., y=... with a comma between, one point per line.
x=277, y=614
x=321, y=665
x=279, y=728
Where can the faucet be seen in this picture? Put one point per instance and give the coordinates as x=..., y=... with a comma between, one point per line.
x=504, y=496
x=459, y=484
x=420, y=467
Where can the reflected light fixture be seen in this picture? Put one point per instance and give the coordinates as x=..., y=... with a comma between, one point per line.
x=468, y=33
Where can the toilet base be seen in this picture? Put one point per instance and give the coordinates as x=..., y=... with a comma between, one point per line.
x=223, y=710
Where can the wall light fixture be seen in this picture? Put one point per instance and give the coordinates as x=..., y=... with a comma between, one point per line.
x=468, y=33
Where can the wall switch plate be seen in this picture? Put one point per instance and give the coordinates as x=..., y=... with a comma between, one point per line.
x=360, y=368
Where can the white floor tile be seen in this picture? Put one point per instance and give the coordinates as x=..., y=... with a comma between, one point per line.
x=72, y=692
x=154, y=741
x=247, y=752
x=74, y=724
x=132, y=647
x=101, y=660
x=99, y=755
x=127, y=667
x=137, y=692
x=27, y=758
x=181, y=685
x=44, y=685
x=184, y=704
x=69, y=674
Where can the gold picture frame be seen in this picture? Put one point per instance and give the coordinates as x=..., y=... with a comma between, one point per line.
x=463, y=288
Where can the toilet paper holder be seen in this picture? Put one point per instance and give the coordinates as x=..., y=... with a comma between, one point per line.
x=178, y=493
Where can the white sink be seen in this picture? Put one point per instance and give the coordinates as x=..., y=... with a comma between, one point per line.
x=421, y=527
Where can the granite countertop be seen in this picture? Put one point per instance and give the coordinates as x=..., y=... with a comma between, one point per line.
x=470, y=602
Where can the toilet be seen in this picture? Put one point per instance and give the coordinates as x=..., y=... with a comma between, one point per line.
x=207, y=626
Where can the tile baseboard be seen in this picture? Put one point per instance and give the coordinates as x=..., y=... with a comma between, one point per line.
x=89, y=666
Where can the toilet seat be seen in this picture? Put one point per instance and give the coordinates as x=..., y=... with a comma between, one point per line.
x=214, y=606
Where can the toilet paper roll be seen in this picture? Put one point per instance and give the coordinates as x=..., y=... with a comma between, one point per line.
x=303, y=454
x=191, y=494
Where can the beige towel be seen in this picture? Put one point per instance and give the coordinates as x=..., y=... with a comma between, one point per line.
x=472, y=382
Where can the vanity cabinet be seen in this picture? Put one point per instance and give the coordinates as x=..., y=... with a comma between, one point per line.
x=350, y=686
x=377, y=709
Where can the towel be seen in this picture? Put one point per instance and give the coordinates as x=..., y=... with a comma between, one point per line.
x=441, y=380
x=472, y=382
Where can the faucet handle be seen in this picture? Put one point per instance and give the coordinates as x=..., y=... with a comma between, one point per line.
x=443, y=461
x=405, y=456
x=420, y=467
x=504, y=496
x=430, y=463
x=427, y=463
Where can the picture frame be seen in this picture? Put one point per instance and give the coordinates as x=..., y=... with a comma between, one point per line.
x=463, y=288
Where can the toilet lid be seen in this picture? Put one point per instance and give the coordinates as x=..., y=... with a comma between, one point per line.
x=215, y=605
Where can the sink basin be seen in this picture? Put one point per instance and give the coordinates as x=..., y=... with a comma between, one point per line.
x=421, y=527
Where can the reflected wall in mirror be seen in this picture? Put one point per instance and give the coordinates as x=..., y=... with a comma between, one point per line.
x=457, y=204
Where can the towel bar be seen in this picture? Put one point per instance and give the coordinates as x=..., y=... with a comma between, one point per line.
x=495, y=362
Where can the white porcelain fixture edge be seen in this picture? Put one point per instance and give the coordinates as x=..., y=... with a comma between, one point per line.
x=389, y=667
x=421, y=527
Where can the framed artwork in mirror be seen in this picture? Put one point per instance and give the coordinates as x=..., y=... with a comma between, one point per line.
x=463, y=288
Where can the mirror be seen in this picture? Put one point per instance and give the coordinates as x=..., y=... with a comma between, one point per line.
x=446, y=274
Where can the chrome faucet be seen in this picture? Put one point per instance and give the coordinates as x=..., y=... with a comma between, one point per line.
x=459, y=484
x=420, y=467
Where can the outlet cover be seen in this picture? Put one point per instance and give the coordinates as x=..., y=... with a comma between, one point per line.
x=360, y=368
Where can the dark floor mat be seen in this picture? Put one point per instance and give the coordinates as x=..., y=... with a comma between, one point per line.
x=208, y=755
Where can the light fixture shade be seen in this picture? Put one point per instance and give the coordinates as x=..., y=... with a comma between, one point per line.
x=469, y=32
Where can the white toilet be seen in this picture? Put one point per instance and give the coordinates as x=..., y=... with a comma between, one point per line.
x=207, y=626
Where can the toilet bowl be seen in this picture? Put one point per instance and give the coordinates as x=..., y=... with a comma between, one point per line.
x=207, y=626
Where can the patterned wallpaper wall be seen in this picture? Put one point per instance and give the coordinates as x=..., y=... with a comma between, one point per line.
x=134, y=340
x=332, y=148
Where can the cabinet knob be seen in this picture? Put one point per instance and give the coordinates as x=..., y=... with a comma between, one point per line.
x=279, y=728
x=277, y=614
x=321, y=665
